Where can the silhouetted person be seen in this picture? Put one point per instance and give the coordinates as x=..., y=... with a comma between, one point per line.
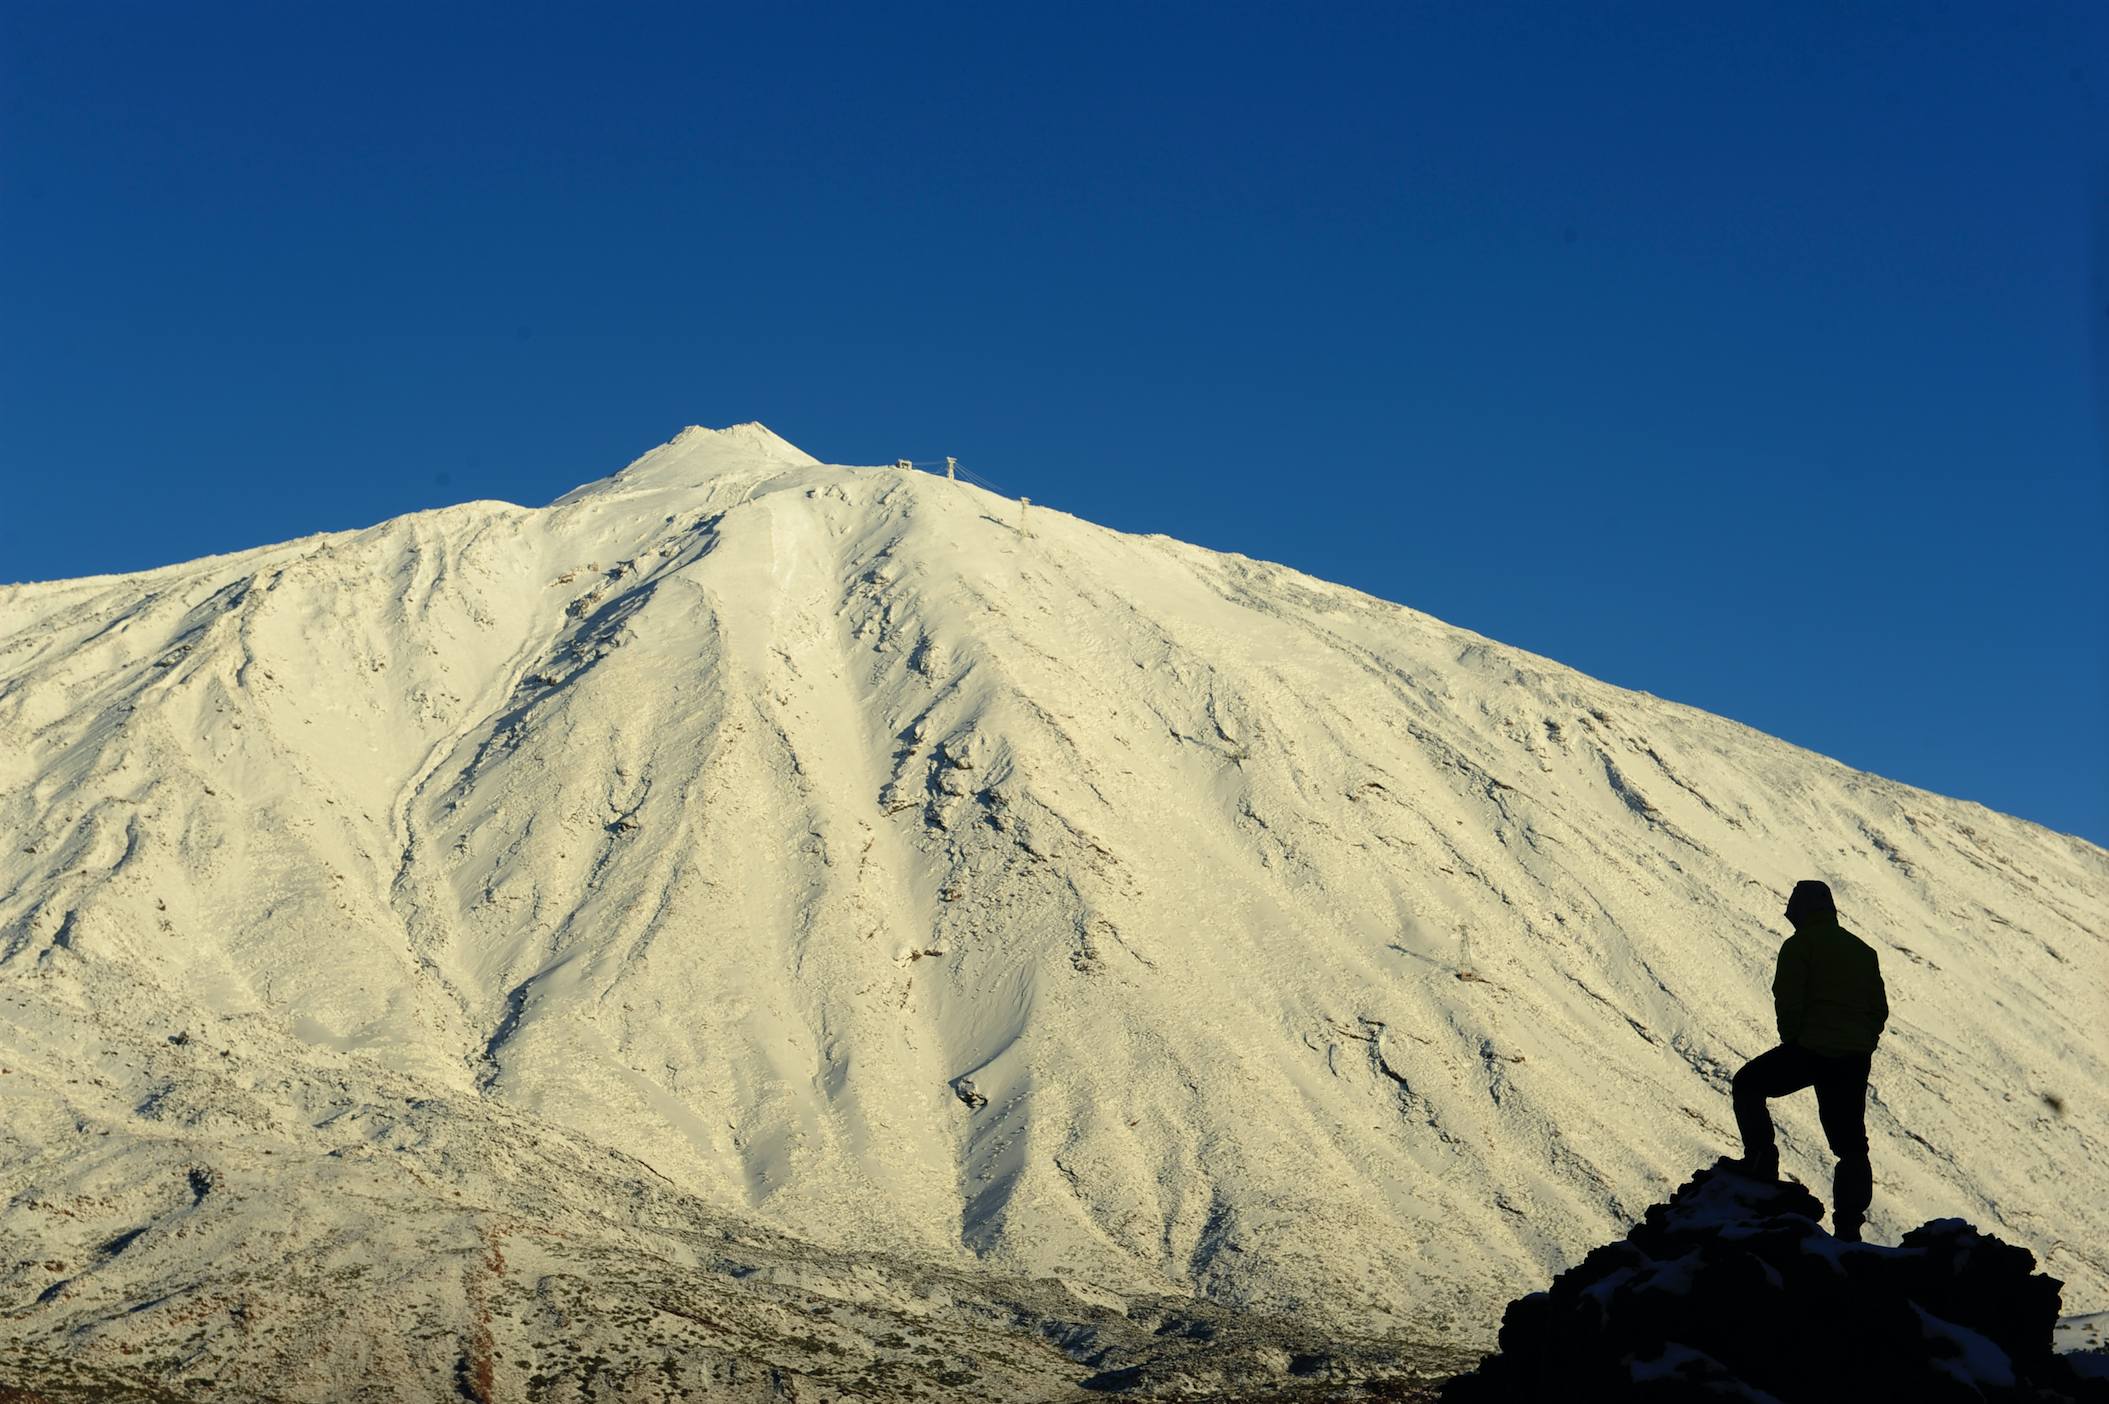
x=1828, y=997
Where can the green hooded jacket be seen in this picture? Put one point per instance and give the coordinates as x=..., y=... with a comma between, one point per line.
x=1827, y=992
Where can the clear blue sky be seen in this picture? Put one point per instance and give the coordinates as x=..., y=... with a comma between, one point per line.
x=1748, y=354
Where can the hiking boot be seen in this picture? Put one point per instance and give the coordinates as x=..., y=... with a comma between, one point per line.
x=1765, y=1170
x=1846, y=1227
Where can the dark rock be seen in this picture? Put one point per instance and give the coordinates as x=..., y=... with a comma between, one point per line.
x=1731, y=1290
x=1110, y=1380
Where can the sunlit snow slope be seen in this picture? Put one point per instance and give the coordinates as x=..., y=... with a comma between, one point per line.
x=1057, y=901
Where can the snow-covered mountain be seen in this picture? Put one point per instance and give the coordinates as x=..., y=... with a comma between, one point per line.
x=401, y=929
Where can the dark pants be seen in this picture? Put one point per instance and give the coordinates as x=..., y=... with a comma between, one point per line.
x=1841, y=1103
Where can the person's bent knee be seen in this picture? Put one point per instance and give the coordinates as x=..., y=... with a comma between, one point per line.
x=1747, y=1086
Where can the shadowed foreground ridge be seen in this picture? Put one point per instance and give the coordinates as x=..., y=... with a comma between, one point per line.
x=1732, y=1290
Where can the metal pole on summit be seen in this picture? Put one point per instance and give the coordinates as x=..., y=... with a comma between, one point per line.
x=1024, y=505
x=951, y=469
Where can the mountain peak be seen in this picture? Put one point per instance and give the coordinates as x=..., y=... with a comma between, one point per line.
x=696, y=455
x=854, y=853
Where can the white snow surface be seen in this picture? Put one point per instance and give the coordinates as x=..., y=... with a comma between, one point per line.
x=809, y=846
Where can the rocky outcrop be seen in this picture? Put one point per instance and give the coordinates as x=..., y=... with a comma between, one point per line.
x=1732, y=1290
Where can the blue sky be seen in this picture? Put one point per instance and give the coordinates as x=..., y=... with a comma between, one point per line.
x=1752, y=355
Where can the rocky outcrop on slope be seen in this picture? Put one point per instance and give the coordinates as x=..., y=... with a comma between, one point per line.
x=1731, y=1290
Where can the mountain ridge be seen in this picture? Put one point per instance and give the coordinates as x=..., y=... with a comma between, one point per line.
x=915, y=875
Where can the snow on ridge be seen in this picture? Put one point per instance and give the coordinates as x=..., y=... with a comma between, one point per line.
x=697, y=454
x=1068, y=904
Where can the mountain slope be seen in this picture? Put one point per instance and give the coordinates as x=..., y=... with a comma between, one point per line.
x=1045, y=901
